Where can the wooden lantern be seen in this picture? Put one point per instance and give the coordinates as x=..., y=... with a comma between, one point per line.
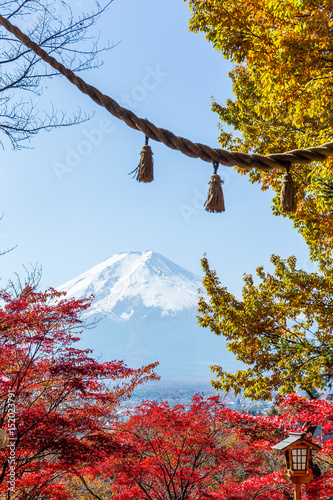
x=297, y=452
x=3, y=438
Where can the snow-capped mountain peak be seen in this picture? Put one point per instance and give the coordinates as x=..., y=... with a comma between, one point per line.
x=128, y=284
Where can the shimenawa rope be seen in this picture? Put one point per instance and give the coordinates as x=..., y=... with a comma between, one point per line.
x=194, y=150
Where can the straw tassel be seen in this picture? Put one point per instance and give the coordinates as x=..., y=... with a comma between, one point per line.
x=145, y=169
x=215, y=200
x=287, y=197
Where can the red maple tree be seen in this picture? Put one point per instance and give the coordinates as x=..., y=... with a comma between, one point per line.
x=59, y=412
x=196, y=453
x=211, y=452
x=56, y=401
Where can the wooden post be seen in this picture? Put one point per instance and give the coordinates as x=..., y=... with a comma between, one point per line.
x=297, y=495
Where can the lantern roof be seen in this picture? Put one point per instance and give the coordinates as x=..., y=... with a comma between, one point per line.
x=295, y=438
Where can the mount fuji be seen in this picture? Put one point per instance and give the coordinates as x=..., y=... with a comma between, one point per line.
x=147, y=305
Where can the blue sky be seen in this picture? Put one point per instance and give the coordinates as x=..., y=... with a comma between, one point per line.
x=70, y=221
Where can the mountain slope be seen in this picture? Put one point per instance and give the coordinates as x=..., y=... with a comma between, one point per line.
x=148, y=308
x=128, y=283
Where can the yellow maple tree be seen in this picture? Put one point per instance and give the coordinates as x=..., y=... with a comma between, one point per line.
x=283, y=84
x=281, y=329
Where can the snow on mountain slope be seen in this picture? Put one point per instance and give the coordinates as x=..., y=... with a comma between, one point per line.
x=128, y=284
x=149, y=306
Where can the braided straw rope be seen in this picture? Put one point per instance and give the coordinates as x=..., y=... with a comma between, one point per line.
x=195, y=150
